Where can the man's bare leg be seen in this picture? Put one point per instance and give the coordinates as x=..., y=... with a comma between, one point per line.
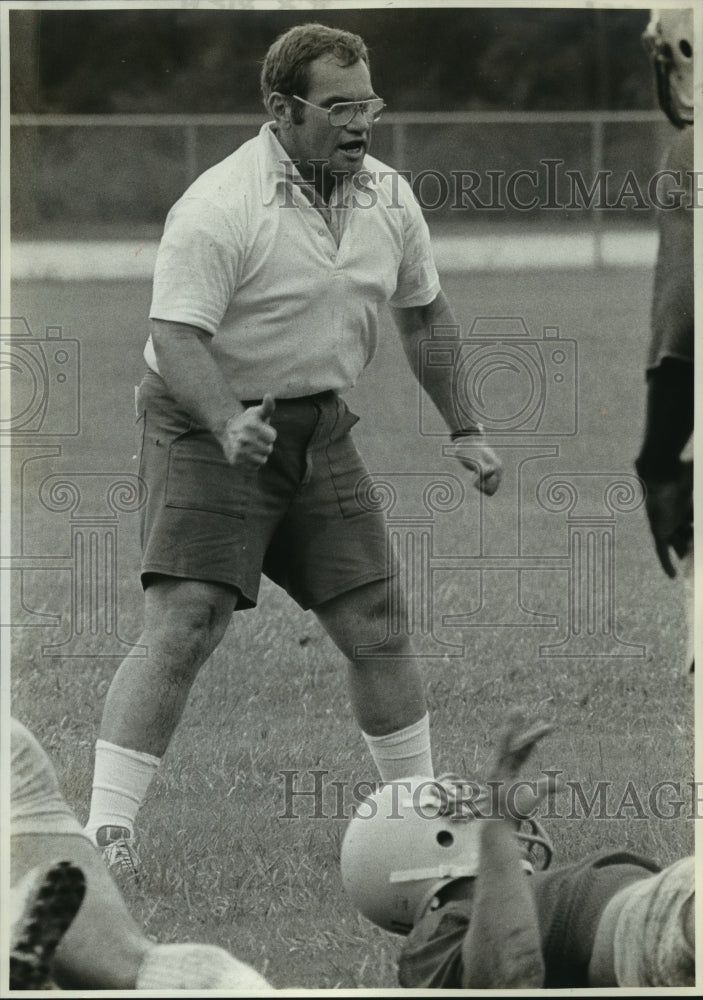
x=387, y=691
x=184, y=622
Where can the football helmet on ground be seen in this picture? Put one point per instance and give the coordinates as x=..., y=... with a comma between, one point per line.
x=411, y=838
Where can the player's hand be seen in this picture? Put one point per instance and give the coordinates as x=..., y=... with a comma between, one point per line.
x=475, y=455
x=669, y=506
x=515, y=743
x=248, y=438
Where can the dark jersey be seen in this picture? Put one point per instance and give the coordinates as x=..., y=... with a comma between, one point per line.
x=570, y=900
x=672, y=301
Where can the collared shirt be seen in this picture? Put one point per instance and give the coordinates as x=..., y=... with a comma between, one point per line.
x=290, y=299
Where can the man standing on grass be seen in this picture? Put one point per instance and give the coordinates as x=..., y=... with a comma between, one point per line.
x=268, y=281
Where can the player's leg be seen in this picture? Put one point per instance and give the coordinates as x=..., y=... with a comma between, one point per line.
x=78, y=916
x=387, y=691
x=184, y=622
x=45, y=831
x=646, y=935
x=43, y=905
x=103, y=947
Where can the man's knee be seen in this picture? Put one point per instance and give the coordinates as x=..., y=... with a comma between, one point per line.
x=190, y=616
x=373, y=614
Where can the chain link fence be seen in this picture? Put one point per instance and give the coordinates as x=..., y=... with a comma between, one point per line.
x=76, y=174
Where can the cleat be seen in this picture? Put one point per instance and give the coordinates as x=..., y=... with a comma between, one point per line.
x=47, y=904
x=118, y=851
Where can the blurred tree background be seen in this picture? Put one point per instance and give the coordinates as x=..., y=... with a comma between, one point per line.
x=423, y=59
x=203, y=58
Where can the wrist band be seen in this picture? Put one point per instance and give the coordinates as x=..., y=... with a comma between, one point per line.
x=467, y=432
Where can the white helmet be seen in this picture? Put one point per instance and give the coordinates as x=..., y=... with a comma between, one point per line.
x=409, y=839
x=668, y=39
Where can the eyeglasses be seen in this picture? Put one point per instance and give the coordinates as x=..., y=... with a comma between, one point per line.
x=339, y=115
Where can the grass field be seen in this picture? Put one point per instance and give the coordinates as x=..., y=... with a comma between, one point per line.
x=220, y=861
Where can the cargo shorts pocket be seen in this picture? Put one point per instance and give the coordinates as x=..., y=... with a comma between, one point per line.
x=198, y=477
x=346, y=466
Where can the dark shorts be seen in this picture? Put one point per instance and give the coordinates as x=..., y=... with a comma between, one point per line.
x=301, y=518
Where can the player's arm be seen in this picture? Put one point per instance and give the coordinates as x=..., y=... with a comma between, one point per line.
x=415, y=325
x=502, y=948
x=195, y=381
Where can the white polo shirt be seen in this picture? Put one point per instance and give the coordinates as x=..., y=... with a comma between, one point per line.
x=292, y=311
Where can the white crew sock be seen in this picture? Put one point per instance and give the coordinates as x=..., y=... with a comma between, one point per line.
x=404, y=753
x=120, y=782
x=196, y=967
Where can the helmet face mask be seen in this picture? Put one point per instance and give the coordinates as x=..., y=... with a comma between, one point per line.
x=668, y=40
x=409, y=840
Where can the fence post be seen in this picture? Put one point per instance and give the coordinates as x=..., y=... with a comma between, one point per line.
x=191, y=152
x=398, y=145
x=597, y=130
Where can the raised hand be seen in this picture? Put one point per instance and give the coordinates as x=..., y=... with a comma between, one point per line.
x=515, y=743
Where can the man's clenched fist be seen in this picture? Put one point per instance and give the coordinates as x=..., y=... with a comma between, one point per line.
x=475, y=455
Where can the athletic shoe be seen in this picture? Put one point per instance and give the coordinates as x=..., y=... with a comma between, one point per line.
x=118, y=851
x=45, y=904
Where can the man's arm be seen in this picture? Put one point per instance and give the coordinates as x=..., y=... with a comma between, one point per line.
x=195, y=381
x=415, y=325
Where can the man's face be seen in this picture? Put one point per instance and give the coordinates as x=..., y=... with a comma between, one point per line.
x=341, y=149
